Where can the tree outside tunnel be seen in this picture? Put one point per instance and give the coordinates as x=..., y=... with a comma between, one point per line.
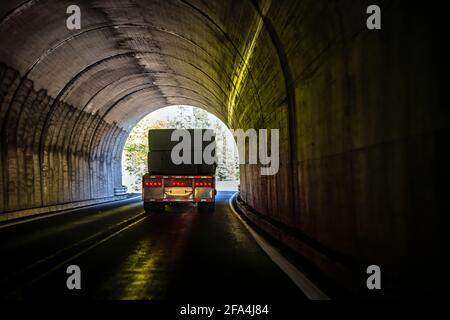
x=134, y=159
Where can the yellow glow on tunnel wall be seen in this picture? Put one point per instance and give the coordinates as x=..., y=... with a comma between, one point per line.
x=241, y=72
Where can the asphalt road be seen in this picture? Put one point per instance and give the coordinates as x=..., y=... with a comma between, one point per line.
x=125, y=254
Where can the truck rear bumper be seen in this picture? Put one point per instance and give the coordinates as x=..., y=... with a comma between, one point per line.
x=180, y=195
x=189, y=189
x=180, y=200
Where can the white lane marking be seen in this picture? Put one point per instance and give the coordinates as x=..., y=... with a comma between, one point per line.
x=122, y=224
x=77, y=255
x=49, y=215
x=305, y=285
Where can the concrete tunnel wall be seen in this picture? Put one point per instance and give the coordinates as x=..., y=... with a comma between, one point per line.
x=360, y=112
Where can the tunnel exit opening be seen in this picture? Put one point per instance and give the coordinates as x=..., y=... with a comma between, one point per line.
x=134, y=156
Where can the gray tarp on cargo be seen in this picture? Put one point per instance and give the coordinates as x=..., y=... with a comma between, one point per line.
x=159, y=156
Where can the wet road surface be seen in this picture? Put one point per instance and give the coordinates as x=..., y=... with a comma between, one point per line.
x=125, y=254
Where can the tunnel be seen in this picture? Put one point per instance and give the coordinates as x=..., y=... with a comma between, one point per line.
x=361, y=115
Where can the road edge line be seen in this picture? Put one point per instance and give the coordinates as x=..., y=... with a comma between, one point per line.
x=311, y=291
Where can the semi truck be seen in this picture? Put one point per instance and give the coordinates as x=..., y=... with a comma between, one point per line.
x=167, y=183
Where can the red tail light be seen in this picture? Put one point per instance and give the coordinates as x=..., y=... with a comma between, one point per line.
x=204, y=184
x=153, y=183
x=178, y=183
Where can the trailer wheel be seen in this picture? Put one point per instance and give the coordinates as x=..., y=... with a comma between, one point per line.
x=209, y=207
x=154, y=207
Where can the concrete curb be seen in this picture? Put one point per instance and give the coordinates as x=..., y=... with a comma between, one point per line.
x=342, y=275
x=13, y=215
x=301, y=280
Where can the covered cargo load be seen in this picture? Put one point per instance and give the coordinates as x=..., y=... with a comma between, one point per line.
x=160, y=149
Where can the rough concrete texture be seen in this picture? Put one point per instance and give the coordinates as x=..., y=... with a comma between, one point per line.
x=360, y=112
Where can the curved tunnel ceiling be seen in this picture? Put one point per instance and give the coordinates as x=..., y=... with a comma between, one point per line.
x=132, y=57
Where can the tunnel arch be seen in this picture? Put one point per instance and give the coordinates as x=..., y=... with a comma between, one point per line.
x=108, y=78
x=338, y=92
